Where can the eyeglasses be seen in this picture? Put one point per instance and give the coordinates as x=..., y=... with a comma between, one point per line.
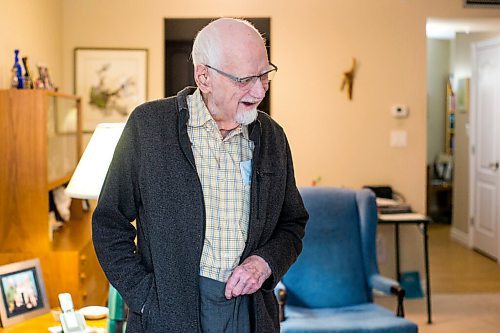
x=248, y=81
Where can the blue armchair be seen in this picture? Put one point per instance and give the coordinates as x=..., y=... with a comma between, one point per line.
x=329, y=288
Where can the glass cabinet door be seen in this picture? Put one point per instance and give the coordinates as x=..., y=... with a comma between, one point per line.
x=63, y=138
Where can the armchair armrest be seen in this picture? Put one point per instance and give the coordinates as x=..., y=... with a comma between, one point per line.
x=389, y=286
x=382, y=283
x=280, y=292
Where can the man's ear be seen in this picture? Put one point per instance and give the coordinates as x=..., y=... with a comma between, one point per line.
x=201, y=77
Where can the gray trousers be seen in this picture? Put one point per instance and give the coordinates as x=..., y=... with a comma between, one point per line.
x=220, y=315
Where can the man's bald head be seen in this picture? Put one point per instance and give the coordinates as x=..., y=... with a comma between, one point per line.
x=221, y=38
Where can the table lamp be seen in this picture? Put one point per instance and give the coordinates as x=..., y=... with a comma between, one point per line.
x=86, y=183
x=87, y=180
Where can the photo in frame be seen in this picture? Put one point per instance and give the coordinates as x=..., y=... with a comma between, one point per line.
x=111, y=82
x=22, y=292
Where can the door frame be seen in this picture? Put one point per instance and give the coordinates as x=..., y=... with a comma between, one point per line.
x=473, y=141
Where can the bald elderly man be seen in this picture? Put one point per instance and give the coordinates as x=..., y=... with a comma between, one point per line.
x=209, y=180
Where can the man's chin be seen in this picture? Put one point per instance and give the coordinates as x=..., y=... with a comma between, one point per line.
x=245, y=117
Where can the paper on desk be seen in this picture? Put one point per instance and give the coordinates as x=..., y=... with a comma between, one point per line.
x=382, y=202
x=403, y=217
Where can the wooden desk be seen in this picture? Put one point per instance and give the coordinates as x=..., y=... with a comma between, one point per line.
x=41, y=324
x=422, y=221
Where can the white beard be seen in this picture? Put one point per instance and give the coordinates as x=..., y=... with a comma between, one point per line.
x=245, y=117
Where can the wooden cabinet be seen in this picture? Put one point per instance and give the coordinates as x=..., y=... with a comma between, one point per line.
x=40, y=135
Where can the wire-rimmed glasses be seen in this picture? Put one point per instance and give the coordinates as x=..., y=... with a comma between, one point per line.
x=248, y=81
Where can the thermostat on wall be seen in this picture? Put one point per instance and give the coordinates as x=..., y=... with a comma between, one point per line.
x=400, y=111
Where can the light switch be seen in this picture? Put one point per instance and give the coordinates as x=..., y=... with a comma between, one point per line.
x=399, y=138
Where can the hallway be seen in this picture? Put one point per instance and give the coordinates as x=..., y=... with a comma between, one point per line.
x=465, y=288
x=456, y=269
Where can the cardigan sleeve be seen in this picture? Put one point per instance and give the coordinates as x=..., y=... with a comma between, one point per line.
x=112, y=231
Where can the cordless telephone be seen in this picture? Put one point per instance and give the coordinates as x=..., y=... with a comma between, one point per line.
x=71, y=321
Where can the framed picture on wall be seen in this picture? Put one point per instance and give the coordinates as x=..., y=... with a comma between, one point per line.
x=463, y=92
x=22, y=292
x=111, y=82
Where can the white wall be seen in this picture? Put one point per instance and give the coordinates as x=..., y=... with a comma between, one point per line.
x=438, y=71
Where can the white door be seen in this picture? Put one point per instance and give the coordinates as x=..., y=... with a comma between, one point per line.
x=485, y=120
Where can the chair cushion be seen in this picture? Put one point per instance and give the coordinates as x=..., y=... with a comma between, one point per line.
x=330, y=271
x=366, y=317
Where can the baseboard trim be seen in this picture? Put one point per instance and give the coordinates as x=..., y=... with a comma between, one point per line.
x=460, y=236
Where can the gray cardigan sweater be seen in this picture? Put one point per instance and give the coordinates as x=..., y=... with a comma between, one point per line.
x=153, y=179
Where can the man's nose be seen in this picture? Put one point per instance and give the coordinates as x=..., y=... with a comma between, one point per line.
x=259, y=89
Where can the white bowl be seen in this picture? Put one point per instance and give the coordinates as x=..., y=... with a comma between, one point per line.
x=94, y=312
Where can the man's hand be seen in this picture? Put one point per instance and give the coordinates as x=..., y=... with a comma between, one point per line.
x=248, y=277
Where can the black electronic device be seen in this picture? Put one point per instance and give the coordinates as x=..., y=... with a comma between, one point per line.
x=395, y=203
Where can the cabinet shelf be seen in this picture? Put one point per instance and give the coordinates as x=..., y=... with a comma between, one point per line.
x=59, y=182
x=69, y=236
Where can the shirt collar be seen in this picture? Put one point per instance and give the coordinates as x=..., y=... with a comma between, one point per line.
x=200, y=116
x=198, y=112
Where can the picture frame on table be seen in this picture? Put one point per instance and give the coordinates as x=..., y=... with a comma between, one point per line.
x=22, y=292
x=111, y=82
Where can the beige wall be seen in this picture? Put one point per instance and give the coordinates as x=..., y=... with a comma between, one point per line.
x=33, y=27
x=344, y=142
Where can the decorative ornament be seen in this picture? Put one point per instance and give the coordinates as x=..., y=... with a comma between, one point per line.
x=316, y=181
x=349, y=79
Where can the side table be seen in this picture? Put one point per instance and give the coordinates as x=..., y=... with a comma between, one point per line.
x=422, y=221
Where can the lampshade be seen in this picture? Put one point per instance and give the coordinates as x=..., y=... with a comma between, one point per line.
x=90, y=172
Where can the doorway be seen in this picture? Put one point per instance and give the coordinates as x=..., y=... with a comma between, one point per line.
x=449, y=53
x=179, y=36
x=485, y=123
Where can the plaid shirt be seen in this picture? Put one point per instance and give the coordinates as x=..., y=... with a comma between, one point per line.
x=224, y=168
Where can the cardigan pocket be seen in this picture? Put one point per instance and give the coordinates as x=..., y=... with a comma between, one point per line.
x=149, y=308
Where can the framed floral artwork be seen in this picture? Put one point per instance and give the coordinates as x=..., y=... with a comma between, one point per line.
x=111, y=82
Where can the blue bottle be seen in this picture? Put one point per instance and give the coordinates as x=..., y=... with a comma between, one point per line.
x=18, y=69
